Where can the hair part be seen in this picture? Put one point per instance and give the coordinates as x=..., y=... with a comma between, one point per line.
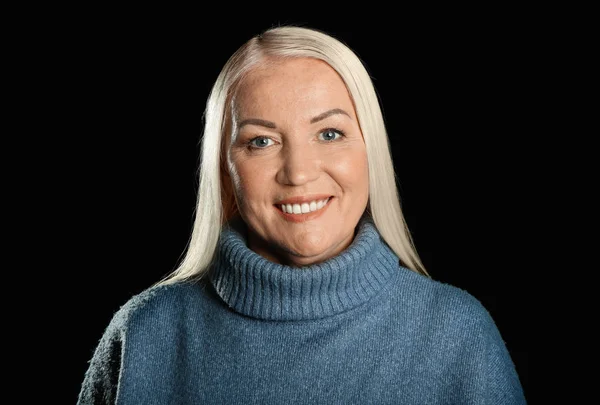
x=216, y=204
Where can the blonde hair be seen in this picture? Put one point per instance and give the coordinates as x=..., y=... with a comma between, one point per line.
x=215, y=201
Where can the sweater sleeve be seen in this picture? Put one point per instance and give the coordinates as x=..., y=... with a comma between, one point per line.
x=102, y=377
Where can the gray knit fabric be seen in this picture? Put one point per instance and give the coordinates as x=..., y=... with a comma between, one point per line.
x=356, y=329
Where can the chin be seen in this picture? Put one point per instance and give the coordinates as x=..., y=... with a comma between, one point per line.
x=310, y=246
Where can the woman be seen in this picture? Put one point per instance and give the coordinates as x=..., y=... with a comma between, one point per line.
x=300, y=283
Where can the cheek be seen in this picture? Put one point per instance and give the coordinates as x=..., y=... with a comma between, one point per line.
x=249, y=180
x=351, y=170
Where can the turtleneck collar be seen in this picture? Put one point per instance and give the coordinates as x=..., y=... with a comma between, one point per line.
x=259, y=288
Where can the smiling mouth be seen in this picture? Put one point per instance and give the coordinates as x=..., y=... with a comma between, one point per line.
x=304, y=208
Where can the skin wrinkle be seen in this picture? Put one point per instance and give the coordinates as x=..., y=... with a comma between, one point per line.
x=296, y=161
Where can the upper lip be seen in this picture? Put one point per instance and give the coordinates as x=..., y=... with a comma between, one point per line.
x=304, y=199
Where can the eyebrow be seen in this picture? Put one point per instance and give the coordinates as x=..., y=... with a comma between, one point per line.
x=269, y=124
x=329, y=113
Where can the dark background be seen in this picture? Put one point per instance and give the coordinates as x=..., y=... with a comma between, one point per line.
x=455, y=94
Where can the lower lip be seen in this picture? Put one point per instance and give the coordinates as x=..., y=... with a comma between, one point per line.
x=304, y=217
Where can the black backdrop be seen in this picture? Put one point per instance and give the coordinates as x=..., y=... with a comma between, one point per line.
x=454, y=95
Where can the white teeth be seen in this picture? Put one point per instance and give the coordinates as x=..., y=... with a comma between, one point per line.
x=304, y=207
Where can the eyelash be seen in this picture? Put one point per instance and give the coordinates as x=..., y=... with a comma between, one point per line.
x=251, y=146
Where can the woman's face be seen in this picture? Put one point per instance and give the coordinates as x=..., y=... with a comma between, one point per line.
x=295, y=140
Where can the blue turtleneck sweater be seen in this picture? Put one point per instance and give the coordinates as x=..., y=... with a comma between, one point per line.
x=355, y=329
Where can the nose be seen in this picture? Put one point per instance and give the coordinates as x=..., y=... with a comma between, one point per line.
x=301, y=164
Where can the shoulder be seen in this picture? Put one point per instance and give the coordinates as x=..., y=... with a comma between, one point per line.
x=159, y=303
x=448, y=306
x=460, y=335
x=143, y=318
x=450, y=318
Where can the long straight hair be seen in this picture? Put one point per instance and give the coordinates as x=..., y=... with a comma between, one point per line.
x=215, y=201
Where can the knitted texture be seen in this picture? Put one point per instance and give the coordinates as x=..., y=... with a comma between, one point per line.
x=355, y=329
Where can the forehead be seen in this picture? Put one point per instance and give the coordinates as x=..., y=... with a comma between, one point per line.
x=299, y=86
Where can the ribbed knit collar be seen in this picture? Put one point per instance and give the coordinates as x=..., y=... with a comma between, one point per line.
x=259, y=288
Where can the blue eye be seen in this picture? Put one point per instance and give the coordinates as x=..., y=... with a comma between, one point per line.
x=260, y=142
x=330, y=134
